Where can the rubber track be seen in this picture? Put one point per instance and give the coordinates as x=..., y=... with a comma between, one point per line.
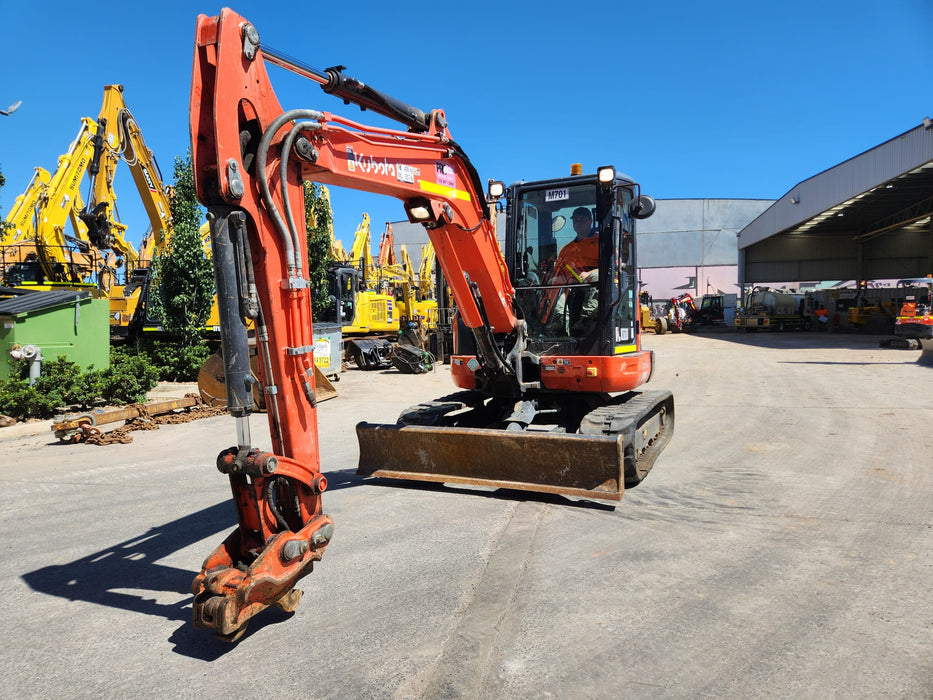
x=622, y=417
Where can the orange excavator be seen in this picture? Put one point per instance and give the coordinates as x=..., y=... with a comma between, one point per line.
x=387, y=248
x=539, y=411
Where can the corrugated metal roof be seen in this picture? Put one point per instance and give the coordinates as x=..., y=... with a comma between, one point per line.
x=887, y=188
x=26, y=301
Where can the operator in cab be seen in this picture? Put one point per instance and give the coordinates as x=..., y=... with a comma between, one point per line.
x=574, y=309
x=583, y=251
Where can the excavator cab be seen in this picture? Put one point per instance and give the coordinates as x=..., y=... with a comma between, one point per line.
x=566, y=418
x=574, y=281
x=343, y=283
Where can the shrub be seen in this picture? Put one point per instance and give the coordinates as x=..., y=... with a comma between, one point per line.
x=176, y=362
x=62, y=385
x=128, y=378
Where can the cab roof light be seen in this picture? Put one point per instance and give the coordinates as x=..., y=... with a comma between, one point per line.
x=606, y=174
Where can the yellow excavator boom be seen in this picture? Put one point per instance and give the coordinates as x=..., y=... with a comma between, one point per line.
x=47, y=206
x=425, y=271
x=21, y=217
x=120, y=138
x=361, y=255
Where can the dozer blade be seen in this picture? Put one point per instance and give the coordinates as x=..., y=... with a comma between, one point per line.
x=567, y=464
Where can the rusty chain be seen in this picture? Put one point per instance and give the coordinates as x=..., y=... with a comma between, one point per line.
x=95, y=436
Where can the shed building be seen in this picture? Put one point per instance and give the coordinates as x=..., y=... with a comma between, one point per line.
x=686, y=245
x=868, y=218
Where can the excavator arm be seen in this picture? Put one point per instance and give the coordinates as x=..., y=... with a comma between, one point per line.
x=337, y=252
x=387, y=247
x=250, y=157
x=425, y=270
x=17, y=238
x=361, y=255
x=245, y=146
x=22, y=215
x=60, y=261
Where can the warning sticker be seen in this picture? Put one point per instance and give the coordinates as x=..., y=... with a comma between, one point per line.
x=322, y=353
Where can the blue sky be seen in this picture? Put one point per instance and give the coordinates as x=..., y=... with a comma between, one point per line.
x=728, y=99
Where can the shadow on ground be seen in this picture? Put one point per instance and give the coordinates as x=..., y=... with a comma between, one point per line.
x=128, y=576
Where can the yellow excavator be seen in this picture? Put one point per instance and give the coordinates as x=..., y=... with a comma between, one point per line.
x=41, y=253
x=426, y=272
x=125, y=142
x=20, y=220
x=359, y=307
x=130, y=308
x=337, y=252
x=47, y=244
x=374, y=301
x=415, y=297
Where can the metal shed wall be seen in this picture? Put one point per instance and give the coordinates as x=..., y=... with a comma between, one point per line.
x=784, y=258
x=815, y=258
x=695, y=232
x=868, y=218
x=681, y=233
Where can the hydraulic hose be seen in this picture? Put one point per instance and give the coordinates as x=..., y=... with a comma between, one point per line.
x=283, y=175
x=273, y=505
x=262, y=157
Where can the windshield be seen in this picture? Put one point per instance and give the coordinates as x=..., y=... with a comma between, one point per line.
x=558, y=279
x=574, y=274
x=550, y=220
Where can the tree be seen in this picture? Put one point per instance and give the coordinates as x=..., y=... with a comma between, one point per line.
x=183, y=276
x=319, y=225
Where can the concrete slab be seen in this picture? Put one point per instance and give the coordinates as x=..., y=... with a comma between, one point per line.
x=782, y=546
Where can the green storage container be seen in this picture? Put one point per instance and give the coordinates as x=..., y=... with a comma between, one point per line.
x=60, y=323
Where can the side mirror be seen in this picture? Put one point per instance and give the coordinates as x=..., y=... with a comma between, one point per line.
x=642, y=207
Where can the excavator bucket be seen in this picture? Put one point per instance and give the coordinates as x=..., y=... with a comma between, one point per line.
x=212, y=387
x=323, y=388
x=572, y=465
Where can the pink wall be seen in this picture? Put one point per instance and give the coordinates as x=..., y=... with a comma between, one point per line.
x=667, y=282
